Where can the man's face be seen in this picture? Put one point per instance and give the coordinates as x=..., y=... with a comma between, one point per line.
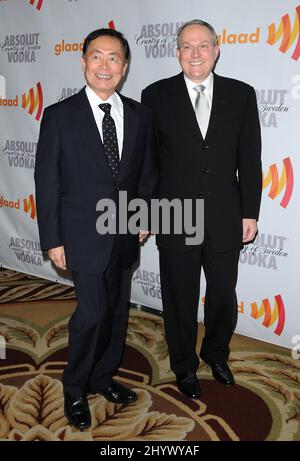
x=104, y=65
x=196, y=52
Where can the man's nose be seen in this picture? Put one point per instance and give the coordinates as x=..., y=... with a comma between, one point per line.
x=104, y=64
x=195, y=51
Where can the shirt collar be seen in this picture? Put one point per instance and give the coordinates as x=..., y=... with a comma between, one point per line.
x=208, y=83
x=95, y=100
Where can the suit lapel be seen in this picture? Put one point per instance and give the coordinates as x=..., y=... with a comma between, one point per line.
x=218, y=108
x=189, y=121
x=181, y=100
x=92, y=139
x=88, y=129
x=131, y=124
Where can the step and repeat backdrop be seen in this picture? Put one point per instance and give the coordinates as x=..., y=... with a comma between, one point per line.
x=40, y=48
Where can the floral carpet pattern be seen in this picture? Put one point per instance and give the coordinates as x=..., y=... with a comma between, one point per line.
x=263, y=405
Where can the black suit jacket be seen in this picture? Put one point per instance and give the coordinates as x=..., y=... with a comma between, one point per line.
x=72, y=174
x=224, y=168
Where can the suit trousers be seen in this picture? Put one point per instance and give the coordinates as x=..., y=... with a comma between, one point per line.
x=180, y=285
x=97, y=328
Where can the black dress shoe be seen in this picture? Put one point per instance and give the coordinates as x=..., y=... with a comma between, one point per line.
x=117, y=393
x=77, y=411
x=188, y=385
x=221, y=372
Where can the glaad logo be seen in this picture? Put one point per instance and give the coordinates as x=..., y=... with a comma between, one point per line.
x=9, y=203
x=270, y=317
x=9, y=102
x=264, y=251
x=288, y=33
x=271, y=102
x=277, y=185
x=21, y=47
x=232, y=39
x=37, y=3
x=34, y=101
x=28, y=205
x=65, y=47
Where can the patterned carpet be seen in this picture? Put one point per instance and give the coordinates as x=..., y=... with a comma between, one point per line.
x=264, y=404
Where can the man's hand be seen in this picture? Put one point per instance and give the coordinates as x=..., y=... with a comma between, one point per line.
x=57, y=256
x=249, y=229
x=142, y=235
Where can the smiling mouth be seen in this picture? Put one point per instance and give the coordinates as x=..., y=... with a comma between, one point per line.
x=196, y=63
x=103, y=76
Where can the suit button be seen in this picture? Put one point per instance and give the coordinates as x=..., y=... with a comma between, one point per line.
x=205, y=171
x=117, y=188
x=201, y=195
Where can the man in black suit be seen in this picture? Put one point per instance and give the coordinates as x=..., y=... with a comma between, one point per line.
x=91, y=146
x=208, y=138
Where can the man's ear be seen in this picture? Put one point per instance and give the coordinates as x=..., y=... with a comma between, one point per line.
x=125, y=68
x=82, y=60
x=217, y=51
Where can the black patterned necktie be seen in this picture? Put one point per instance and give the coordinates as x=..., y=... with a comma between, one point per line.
x=110, y=140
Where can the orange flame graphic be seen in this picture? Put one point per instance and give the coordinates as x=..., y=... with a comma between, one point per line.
x=39, y=3
x=29, y=206
x=34, y=101
x=289, y=34
x=286, y=179
x=270, y=317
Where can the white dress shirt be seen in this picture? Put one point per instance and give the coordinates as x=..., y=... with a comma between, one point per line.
x=209, y=86
x=116, y=111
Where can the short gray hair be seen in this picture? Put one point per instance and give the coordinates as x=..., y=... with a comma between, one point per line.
x=199, y=23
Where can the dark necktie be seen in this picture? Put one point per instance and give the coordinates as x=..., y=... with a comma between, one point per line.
x=110, y=140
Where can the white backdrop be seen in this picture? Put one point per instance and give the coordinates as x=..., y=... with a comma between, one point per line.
x=260, y=44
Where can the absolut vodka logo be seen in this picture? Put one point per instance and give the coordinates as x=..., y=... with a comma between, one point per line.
x=21, y=48
x=26, y=251
x=66, y=92
x=149, y=283
x=19, y=153
x=271, y=105
x=159, y=40
x=266, y=251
